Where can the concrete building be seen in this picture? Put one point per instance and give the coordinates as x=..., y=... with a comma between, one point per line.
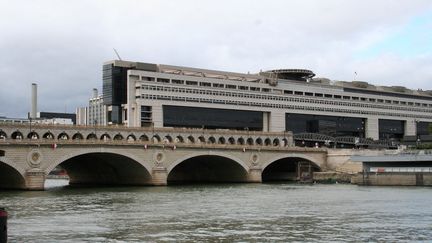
x=82, y=116
x=94, y=114
x=96, y=110
x=145, y=94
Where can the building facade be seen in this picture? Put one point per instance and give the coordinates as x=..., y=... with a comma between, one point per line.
x=144, y=95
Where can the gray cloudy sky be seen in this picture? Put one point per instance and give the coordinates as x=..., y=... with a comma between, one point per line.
x=61, y=45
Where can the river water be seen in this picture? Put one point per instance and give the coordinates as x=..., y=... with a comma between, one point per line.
x=277, y=212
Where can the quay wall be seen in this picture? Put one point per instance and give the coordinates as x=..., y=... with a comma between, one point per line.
x=394, y=179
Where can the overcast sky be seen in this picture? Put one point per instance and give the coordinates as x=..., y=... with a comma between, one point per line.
x=61, y=45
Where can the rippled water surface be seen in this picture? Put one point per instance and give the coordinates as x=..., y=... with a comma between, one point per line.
x=223, y=212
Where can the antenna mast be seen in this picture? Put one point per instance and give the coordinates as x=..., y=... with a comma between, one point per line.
x=117, y=54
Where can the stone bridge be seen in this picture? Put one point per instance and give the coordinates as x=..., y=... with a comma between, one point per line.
x=132, y=156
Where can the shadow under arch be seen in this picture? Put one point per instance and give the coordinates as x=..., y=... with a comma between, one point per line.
x=289, y=168
x=11, y=177
x=207, y=168
x=104, y=168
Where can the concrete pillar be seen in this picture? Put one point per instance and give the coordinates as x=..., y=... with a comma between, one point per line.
x=35, y=179
x=266, y=118
x=277, y=121
x=159, y=176
x=410, y=127
x=372, y=128
x=157, y=115
x=255, y=175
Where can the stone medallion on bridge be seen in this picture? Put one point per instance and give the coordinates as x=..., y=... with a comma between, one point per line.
x=158, y=158
x=34, y=158
x=254, y=159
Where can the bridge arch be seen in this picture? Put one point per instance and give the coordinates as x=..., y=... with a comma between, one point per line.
x=77, y=136
x=17, y=135
x=33, y=135
x=131, y=137
x=94, y=167
x=179, y=139
x=11, y=176
x=105, y=137
x=289, y=167
x=118, y=136
x=211, y=140
x=3, y=135
x=48, y=135
x=91, y=136
x=144, y=138
x=191, y=139
x=258, y=141
x=207, y=167
x=63, y=136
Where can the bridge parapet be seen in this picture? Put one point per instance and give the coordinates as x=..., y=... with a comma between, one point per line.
x=57, y=133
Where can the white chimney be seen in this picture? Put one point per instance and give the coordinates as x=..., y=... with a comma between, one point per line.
x=95, y=93
x=33, y=111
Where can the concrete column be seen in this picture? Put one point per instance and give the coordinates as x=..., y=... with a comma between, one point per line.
x=160, y=176
x=372, y=129
x=35, y=179
x=277, y=121
x=157, y=115
x=255, y=175
x=266, y=118
x=410, y=127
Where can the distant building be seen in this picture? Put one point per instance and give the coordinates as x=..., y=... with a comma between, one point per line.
x=96, y=110
x=57, y=115
x=94, y=114
x=82, y=116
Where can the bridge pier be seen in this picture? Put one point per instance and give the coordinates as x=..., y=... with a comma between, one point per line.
x=255, y=175
x=159, y=176
x=35, y=180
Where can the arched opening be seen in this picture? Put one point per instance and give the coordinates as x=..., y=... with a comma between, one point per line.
x=201, y=139
x=144, y=138
x=63, y=136
x=10, y=178
x=3, y=135
x=118, y=137
x=105, y=137
x=17, y=135
x=191, y=139
x=179, y=139
x=231, y=140
x=221, y=140
x=259, y=141
x=207, y=169
x=105, y=169
x=131, y=138
x=212, y=140
x=267, y=142
x=77, y=136
x=276, y=142
x=91, y=136
x=156, y=139
x=250, y=141
x=285, y=142
x=33, y=135
x=48, y=135
x=241, y=141
x=168, y=139
x=290, y=169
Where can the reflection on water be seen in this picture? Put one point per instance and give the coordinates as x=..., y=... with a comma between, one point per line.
x=221, y=212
